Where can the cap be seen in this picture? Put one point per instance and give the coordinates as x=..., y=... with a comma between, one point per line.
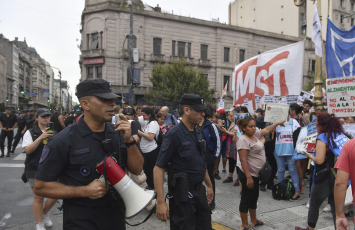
x=194, y=101
x=221, y=111
x=95, y=87
x=129, y=111
x=42, y=112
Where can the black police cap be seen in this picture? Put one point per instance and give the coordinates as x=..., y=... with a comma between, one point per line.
x=194, y=101
x=95, y=87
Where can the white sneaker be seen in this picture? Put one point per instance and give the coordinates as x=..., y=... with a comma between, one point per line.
x=307, y=205
x=47, y=222
x=327, y=208
x=40, y=226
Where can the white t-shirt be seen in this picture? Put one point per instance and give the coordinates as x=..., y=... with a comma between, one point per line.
x=146, y=145
x=27, y=139
x=142, y=122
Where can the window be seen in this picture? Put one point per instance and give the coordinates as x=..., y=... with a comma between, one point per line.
x=204, y=52
x=241, y=55
x=226, y=78
x=226, y=54
x=89, y=72
x=94, y=41
x=312, y=65
x=352, y=6
x=181, y=49
x=342, y=3
x=99, y=71
x=189, y=50
x=87, y=41
x=341, y=19
x=173, y=44
x=157, y=45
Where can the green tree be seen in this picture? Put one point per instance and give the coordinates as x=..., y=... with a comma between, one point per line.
x=172, y=80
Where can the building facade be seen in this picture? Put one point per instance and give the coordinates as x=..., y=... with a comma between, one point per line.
x=212, y=47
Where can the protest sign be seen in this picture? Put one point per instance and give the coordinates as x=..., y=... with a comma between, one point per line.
x=221, y=103
x=291, y=99
x=269, y=99
x=276, y=112
x=303, y=96
x=341, y=96
x=257, y=100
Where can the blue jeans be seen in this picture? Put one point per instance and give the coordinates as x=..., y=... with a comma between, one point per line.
x=282, y=161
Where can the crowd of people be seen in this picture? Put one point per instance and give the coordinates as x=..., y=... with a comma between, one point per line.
x=191, y=144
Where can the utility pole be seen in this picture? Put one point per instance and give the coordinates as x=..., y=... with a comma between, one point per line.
x=60, y=91
x=130, y=46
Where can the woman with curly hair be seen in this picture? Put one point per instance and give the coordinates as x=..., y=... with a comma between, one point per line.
x=330, y=140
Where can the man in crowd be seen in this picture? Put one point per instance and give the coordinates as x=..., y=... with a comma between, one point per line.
x=170, y=120
x=184, y=148
x=67, y=167
x=20, y=131
x=307, y=114
x=8, y=122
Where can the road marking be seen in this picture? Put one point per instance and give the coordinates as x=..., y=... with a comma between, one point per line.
x=218, y=226
x=20, y=157
x=4, y=165
x=6, y=217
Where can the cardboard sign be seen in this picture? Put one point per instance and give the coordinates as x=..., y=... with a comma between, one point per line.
x=303, y=96
x=341, y=96
x=276, y=112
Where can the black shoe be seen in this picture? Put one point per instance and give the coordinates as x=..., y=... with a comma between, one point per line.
x=8, y=154
x=2, y=155
x=262, y=188
x=217, y=177
x=12, y=151
x=212, y=206
x=270, y=186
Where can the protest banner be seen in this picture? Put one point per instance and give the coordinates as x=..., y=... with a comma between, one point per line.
x=276, y=112
x=341, y=96
x=276, y=72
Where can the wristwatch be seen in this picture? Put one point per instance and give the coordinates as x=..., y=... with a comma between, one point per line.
x=131, y=143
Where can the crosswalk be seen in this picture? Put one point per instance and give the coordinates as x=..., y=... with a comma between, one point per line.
x=14, y=162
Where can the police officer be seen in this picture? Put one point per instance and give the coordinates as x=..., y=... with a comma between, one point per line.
x=67, y=165
x=20, y=130
x=184, y=148
x=8, y=123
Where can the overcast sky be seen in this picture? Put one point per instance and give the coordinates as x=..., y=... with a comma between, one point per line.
x=52, y=27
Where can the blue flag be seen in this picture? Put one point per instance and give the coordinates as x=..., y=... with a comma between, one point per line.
x=340, y=51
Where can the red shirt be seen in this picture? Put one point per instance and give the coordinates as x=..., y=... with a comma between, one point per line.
x=346, y=160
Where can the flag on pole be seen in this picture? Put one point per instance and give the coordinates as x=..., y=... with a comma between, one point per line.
x=224, y=91
x=316, y=33
x=340, y=51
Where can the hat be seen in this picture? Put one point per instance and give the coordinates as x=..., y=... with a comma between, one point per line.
x=194, y=101
x=95, y=87
x=129, y=111
x=221, y=111
x=259, y=111
x=42, y=112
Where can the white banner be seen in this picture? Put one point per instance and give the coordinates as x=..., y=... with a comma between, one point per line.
x=341, y=96
x=276, y=72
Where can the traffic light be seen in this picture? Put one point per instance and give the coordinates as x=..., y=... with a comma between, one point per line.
x=7, y=99
x=21, y=89
x=48, y=99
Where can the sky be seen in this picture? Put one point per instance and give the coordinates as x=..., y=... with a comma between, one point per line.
x=53, y=27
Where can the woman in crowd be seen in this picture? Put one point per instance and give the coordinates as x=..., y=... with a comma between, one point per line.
x=34, y=141
x=252, y=157
x=330, y=140
x=161, y=119
x=148, y=143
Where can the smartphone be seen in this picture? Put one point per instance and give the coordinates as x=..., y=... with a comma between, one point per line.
x=50, y=125
x=117, y=118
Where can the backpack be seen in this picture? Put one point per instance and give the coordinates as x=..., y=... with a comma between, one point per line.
x=283, y=190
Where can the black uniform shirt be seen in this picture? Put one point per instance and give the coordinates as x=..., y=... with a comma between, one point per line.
x=8, y=121
x=21, y=123
x=72, y=155
x=180, y=147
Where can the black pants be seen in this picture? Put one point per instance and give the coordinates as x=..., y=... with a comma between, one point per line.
x=320, y=191
x=249, y=198
x=232, y=163
x=3, y=135
x=272, y=161
x=210, y=169
x=104, y=217
x=193, y=214
x=17, y=140
x=149, y=163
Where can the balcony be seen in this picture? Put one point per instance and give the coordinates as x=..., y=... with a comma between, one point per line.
x=93, y=52
x=188, y=60
x=157, y=57
x=204, y=63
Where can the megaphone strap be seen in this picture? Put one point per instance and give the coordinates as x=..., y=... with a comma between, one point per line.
x=149, y=215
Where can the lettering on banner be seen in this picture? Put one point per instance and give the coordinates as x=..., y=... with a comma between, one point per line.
x=269, y=99
x=311, y=128
x=276, y=112
x=291, y=99
x=341, y=96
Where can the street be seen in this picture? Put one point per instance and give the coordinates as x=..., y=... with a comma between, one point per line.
x=16, y=205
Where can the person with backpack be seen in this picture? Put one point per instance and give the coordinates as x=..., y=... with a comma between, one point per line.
x=170, y=120
x=33, y=143
x=149, y=144
x=252, y=158
x=330, y=141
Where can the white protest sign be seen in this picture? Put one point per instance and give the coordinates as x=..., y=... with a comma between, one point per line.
x=282, y=100
x=269, y=99
x=276, y=112
x=221, y=103
x=341, y=96
x=310, y=140
x=291, y=99
x=303, y=96
x=245, y=102
x=257, y=100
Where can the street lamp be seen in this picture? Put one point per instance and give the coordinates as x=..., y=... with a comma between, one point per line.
x=318, y=93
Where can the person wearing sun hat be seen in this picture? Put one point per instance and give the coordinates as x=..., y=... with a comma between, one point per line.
x=72, y=156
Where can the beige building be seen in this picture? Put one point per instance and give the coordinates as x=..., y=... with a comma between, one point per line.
x=212, y=47
x=284, y=17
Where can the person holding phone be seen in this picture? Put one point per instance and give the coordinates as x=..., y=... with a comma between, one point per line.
x=34, y=141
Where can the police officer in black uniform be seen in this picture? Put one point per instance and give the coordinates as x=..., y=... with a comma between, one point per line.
x=21, y=129
x=8, y=122
x=184, y=148
x=67, y=165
